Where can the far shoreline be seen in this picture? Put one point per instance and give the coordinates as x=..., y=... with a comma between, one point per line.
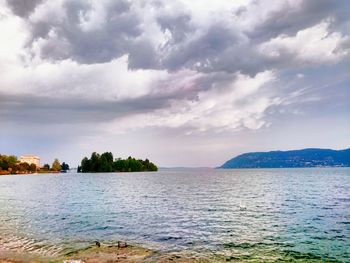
x=261, y=168
x=165, y=169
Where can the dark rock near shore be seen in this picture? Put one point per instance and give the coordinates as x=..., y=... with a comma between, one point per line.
x=122, y=244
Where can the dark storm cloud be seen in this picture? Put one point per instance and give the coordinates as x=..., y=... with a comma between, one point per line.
x=23, y=7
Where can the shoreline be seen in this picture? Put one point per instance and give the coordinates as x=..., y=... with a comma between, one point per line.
x=106, y=253
x=18, y=248
x=26, y=173
x=23, y=250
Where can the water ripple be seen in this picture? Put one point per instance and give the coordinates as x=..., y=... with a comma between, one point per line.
x=291, y=213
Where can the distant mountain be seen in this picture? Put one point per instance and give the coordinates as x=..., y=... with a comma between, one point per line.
x=289, y=159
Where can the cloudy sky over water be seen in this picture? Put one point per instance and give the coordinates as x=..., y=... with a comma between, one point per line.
x=182, y=82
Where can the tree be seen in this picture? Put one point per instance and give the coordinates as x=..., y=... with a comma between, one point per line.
x=12, y=159
x=56, y=166
x=46, y=166
x=108, y=156
x=85, y=165
x=64, y=166
x=32, y=167
x=95, y=162
x=106, y=162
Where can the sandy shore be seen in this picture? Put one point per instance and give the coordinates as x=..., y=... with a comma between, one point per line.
x=104, y=254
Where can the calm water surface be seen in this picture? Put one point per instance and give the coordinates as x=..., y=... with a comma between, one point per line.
x=290, y=213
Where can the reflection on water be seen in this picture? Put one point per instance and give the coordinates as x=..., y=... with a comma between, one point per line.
x=290, y=212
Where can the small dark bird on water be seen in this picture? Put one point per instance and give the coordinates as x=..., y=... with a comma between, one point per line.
x=97, y=243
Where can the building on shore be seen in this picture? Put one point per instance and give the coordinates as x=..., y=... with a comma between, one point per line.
x=30, y=159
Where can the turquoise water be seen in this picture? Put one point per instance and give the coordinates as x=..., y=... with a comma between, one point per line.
x=290, y=213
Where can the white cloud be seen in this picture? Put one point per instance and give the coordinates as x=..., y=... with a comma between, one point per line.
x=67, y=78
x=13, y=35
x=216, y=10
x=314, y=45
x=218, y=109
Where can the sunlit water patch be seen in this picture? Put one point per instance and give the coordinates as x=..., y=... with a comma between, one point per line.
x=255, y=214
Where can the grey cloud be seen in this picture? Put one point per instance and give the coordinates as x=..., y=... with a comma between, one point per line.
x=28, y=108
x=142, y=54
x=241, y=57
x=222, y=48
x=290, y=20
x=179, y=26
x=219, y=47
x=99, y=45
x=204, y=49
x=57, y=49
x=102, y=45
x=23, y=7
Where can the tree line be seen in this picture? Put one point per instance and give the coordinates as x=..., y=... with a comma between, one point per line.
x=106, y=163
x=9, y=164
x=56, y=166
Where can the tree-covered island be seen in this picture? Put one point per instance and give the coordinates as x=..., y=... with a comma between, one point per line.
x=101, y=163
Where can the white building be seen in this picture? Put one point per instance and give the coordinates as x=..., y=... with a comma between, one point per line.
x=30, y=159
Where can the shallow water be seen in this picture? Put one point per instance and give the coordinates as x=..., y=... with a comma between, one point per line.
x=291, y=213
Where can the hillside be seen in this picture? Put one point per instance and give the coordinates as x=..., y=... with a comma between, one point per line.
x=288, y=159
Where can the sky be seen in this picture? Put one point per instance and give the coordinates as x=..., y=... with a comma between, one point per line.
x=182, y=82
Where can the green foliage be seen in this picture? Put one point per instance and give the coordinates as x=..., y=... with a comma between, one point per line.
x=85, y=165
x=105, y=163
x=65, y=166
x=11, y=165
x=56, y=166
x=32, y=167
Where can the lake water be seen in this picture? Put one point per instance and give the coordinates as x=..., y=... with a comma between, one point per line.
x=290, y=213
